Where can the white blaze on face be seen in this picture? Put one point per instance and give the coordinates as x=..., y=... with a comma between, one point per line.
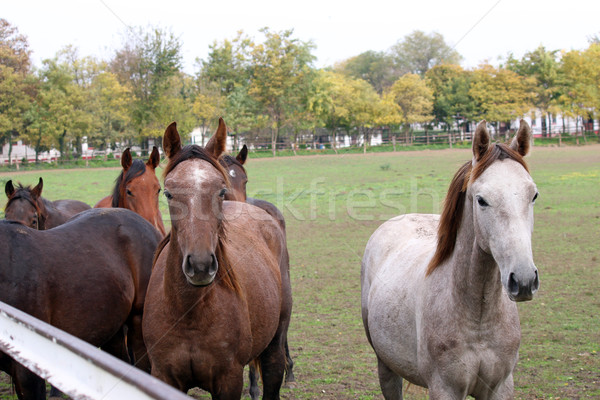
x=232, y=173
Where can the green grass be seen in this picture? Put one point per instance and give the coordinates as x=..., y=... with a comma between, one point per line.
x=334, y=203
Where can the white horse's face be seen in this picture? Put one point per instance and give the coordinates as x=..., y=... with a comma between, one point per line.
x=502, y=199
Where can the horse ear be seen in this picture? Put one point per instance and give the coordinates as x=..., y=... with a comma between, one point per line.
x=36, y=192
x=216, y=144
x=522, y=140
x=481, y=141
x=126, y=159
x=9, y=189
x=171, y=140
x=242, y=155
x=154, y=159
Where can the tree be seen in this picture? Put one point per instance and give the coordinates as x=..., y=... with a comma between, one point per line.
x=499, y=94
x=17, y=86
x=146, y=63
x=278, y=68
x=419, y=52
x=450, y=87
x=581, y=81
x=112, y=101
x=542, y=66
x=414, y=100
x=377, y=68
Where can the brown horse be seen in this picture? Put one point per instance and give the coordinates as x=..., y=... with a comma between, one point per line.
x=219, y=296
x=87, y=277
x=238, y=178
x=27, y=206
x=137, y=188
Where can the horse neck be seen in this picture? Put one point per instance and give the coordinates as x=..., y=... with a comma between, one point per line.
x=178, y=292
x=475, y=275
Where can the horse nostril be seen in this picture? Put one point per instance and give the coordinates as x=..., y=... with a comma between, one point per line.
x=189, y=267
x=214, y=264
x=536, y=281
x=513, y=286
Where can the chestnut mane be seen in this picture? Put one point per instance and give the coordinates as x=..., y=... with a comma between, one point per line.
x=451, y=216
x=225, y=274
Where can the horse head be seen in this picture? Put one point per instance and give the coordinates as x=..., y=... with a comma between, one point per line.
x=195, y=187
x=25, y=205
x=237, y=175
x=501, y=194
x=137, y=188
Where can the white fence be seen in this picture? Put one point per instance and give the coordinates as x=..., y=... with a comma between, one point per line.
x=74, y=366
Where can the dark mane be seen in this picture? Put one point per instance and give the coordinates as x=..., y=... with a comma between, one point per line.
x=24, y=193
x=451, y=216
x=225, y=274
x=138, y=167
x=228, y=160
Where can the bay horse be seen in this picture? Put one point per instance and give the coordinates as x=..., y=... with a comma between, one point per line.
x=137, y=188
x=238, y=179
x=219, y=295
x=87, y=277
x=27, y=206
x=441, y=313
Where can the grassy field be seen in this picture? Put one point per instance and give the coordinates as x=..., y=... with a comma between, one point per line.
x=333, y=204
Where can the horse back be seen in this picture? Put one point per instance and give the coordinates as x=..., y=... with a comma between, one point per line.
x=80, y=276
x=60, y=211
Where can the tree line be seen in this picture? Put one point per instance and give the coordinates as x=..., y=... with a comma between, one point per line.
x=269, y=91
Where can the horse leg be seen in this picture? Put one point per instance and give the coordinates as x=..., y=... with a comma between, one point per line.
x=504, y=391
x=117, y=346
x=290, y=379
x=228, y=386
x=135, y=343
x=28, y=385
x=390, y=382
x=252, y=375
x=272, y=363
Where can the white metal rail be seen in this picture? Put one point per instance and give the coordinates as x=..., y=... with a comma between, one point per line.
x=74, y=366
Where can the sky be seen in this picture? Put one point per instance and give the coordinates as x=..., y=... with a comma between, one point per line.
x=480, y=30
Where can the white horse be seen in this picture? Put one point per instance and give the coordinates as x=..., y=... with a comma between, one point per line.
x=441, y=313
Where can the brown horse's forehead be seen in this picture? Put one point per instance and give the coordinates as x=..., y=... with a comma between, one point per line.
x=194, y=173
x=236, y=172
x=147, y=179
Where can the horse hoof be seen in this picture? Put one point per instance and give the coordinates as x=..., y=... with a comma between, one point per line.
x=290, y=385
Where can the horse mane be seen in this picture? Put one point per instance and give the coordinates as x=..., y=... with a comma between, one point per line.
x=24, y=192
x=451, y=216
x=225, y=274
x=228, y=160
x=138, y=167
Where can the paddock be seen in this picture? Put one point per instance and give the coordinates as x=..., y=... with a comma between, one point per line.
x=332, y=204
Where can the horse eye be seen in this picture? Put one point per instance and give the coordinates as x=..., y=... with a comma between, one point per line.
x=222, y=192
x=34, y=222
x=168, y=195
x=159, y=189
x=535, y=197
x=129, y=192
x=482, y=202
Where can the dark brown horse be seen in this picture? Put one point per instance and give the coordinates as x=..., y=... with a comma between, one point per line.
x=238, y=178
x=87, y=277
x=137, y=188
x=219, y=296
x=27, y=206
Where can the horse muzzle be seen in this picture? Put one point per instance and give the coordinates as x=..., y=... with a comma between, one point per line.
x=200, y=270
x=522, y=286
